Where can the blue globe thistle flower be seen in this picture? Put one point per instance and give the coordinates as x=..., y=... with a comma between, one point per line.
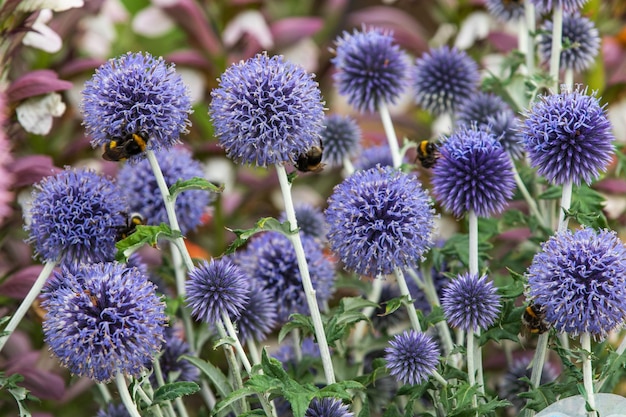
x=341, y=139
x=581, y=41
x=173, y=367
x=379, y=219
x=75, y=217
x=506, y=10
x=105, y=320
x=544, y=6
x=258, y=317
x=311, y=220
x=568, y=137
x=136, y=93
x=373, y=156
x=266, y=111
x=270, y=259
x=139, y=186
x=580, y=280
x=113, y=410
x=327, y=407
x=479, y=109
x=371, y=69
x=286, y=353
x=505, y=127
x=443, y=79
x=512, y=383
x=473, y=173
x=217, y=287
x=470, y=302
x=411, y=357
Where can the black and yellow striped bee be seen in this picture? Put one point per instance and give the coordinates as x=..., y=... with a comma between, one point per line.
x=132, y=221
x=121, y=148
x=311, y=161
x=534, y=319
x=428, y=153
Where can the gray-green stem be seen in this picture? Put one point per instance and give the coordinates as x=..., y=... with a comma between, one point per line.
x=392, y=139
x=585, y=345
x=529, y=11
x=130, y=405
x=309, y=291
x=410, y=308
x=557, y=39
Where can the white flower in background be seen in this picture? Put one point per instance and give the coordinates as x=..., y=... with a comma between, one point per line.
x=195, y=81
x=152, y=22
x=54, y=5
x=250, y=22
x=617, y=116
x=99, y=31
x=41, y=36
x=35, y=114
x=305, y=53
x=474, y=28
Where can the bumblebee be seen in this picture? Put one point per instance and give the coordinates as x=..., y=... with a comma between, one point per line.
x=311, y=161
x=119, y=149
x=533, y=319
x=427, y=153
x=132, y=221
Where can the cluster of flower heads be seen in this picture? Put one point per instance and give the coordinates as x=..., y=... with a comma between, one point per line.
x=412, y=357
x=379, y=219
x=270, y=260
x=568, y=137
x=341, y=139
x=266, y=111
x=75, y=217
x=579, y=278
x=103, y=319
x=371, y=69
x=140, y=188
x=581, y=42
x=474, y=172
x=136, y=93
x=470, y=302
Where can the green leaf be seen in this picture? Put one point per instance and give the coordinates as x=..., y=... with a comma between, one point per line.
x=297, y=321
x=395, y=303
x=587, y=208
x=553, y=193
x=143, y=235
x=195, y=183
x=264, y=224
x=215, y=375
x=173, y=390
x=20, y=394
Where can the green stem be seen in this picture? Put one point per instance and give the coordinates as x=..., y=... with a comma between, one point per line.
x=473, y=242
x=131, y=407
x=104, y=391
x=309, y=291
x=585, y=345
x=538, y=360
x=529, y=11
x=232, y=365
x=158, y=373
x=385, y=116
x=404, y=290
x=374, y=296
x=27, y=302
x=532, y=204
x=230, y=330
x=471, y=366
x=557, y=39
x=566, y=203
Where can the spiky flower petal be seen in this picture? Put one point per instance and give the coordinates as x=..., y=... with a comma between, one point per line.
x=411, y=357
x=327, y=407
x=258, y=318
x=568, y=5
x=470, y=303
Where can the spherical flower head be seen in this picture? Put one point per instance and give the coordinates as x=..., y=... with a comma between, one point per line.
x=139, y=186
x=311, y=220
x=506, y=10
x=113, y=410
x=136, y=93
x=505, y=127
x=341, y=139
x=443, y=79
x=215, y=288
x=258, y=318
x=173, y=367
x=380, y=219
x=103, y=321
x=371, y=69
x=266, y=111
x=327, y=407
x=581, y=41
x=470, y=302
x=75, y=217
x=411, y=357
x=568, y=5
x=373, y=156
x=568, y=137
x=474, y=173
x=270, y=259
x=580, y=280
x=479, y=108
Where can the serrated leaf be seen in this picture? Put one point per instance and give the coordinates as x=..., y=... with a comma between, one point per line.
x=215, y=375
x=173, y=390
x=395, y=303
x=143, y=235
x=297, y=321
x=195, y=183
x=356, y=303
x=264, y=224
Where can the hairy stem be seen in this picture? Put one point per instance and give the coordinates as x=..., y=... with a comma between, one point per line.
x=130, y=405
x=385, y=116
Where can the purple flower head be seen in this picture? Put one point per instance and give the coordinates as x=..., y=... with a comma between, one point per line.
x=568, y=137
x=287, y=355
x=173, y=367
x=512, y=383
x=136, y=93
x=103, y=321
x=266, y=111
x=479, y=109
x=217, y=287
x=379, y=219
x=568, y=5
x=371, y=69
x=258, y=317
x=580, y=280
x=474, y=172
x=75, y=217
x=505, y=127
x=581, y=42
x=139, y=186
x=341, y=139
x=411, y=357
x=443, y=79
x=113, y=410
x=470, y=302
x=270, y=259
x=311, y=220
x=506, y=10
x=373, y=156
x=327, y=407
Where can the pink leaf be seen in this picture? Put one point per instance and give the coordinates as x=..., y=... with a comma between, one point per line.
x=36, y=83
